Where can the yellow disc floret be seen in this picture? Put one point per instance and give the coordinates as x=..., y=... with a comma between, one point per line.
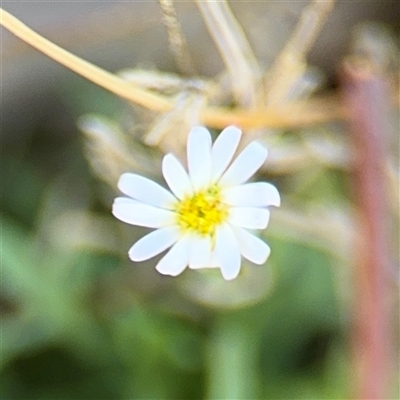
x=202, y=211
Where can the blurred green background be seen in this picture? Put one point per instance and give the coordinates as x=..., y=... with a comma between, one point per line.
x=80, y=321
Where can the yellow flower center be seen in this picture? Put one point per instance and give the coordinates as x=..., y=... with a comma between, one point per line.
x=202, y=212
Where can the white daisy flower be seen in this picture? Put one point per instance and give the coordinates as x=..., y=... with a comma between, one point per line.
x=206, y=216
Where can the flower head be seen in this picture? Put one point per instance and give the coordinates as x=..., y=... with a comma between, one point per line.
x=205, y=217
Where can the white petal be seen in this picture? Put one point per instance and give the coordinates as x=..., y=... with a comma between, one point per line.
x=199, y=157
x=224, y=149
x=214, y=263
x=245, y=165
x=176, y=176
x=154, y=243
x=249, y=217
x=145, y=190
x=200, y=252
x=257, y=194
x=252, y=247
x=227, y=252
x=177, y=259
x=125, y=200
x=141, y=214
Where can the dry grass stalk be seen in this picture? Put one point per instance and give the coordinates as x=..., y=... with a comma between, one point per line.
x=296, y=115
x=176, y=122
x=178, y=45
x=235, y=51
x=308, y=225
x=290, y=64
x=109, y=150
x=89, y=71
x=166, y=83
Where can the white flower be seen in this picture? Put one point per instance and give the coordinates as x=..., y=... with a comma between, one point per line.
x=206, y=217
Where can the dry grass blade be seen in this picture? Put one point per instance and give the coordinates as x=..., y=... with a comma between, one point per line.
x=90, y=231
x=176, y=123
x=234, y=49
x=165, y=83
x=177, y=42
x=310, y=226
x=281, y=84
x=217, y=117
x=290, y=65
x=107, y=151
x=89, y=71
x=307, y=29
x=295, y=115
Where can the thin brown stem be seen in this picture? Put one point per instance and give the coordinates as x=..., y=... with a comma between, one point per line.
x=366, y=96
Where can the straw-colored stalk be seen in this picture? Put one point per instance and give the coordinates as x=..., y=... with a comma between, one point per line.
x=313, y=111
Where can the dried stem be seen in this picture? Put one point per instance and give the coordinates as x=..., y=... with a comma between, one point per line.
x=87, y=70
x=177, y=42
x=300, y=114
x=366, y=96
x=307, y=29
x=234, y=48
x=290, y=64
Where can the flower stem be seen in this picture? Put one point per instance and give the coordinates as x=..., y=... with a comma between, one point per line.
x=366, y=97
x=232, y=355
